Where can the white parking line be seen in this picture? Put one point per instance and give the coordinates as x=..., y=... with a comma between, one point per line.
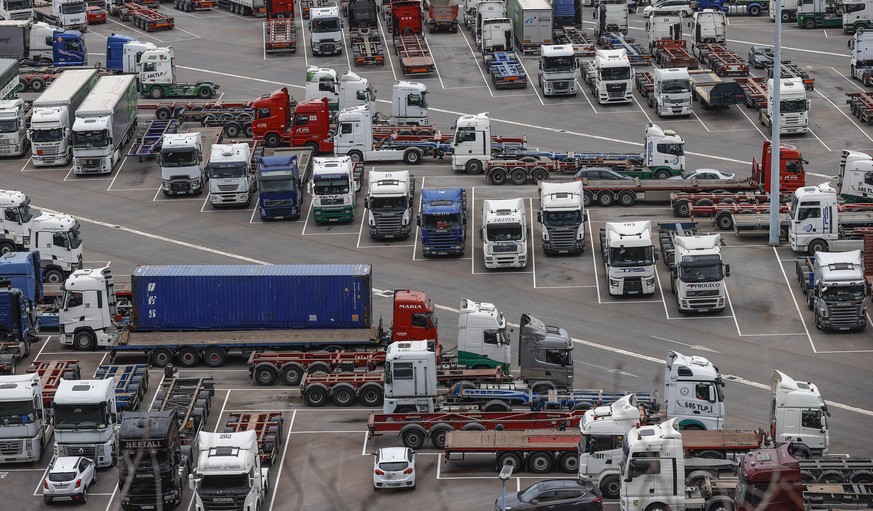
x=284, y=456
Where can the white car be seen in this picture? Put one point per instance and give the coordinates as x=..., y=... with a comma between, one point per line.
x=68, y=479
x=683, y=7
x=394, y=467
x=705, y=174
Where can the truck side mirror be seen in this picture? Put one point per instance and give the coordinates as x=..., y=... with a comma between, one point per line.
x=192, y=483
x=418, y=220
x=367, y=203
x=388, y=377
x=481, y=237
x=540, y=216
x=656, y=256
x=727, y=270
x=711, y=397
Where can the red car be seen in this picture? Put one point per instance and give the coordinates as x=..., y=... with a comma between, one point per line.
x=95, y=15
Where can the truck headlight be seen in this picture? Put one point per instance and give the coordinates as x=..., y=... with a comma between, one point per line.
x=650, y=280
x=614, y=282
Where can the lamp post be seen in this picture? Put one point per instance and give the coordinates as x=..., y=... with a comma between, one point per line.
x=505, y=474
x=776, y=126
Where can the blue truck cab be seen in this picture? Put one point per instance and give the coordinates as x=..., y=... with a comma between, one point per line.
x=68, y=49
x=281, y=189
x=20, y=291
x=443, y=221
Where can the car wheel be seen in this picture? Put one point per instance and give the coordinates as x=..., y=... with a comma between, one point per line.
x=47, y=500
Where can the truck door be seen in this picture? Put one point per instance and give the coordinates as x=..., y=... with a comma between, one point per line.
x=469, y=141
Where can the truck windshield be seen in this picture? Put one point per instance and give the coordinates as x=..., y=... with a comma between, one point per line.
x=853, y=7
x=24, y=212
x=559, y=218
x=146, y=461
x=15, y=5
x=331, y=185
x=793, y=106
x=701, y=269
x=842, y=293
x=73, y=8
x=90, y=139
x=441, y=221
x=615, y=73
x=388, y=203
x=632, y=256
x=178, y=158
x=75, y=240
x=16, y=412
x=675, y=86
x=504, y=232
x=80, y=416
x=325, y=25
x=8, y=125
x=233, y=483
x=54, y=135
x=558, y=64
x=227, y=170
x=277, y=182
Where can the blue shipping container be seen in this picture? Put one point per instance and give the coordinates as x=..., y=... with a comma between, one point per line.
x=251, y=297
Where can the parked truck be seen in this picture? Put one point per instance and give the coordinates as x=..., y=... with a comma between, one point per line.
x=817, y=224
x=697, y=271
x=28, y=426
x=67, y=14
x=157, y=78
x=531, y=23
x=342, y=91
x=184, y=158
x=282, y=179
x=610, y=16
x=407, y=27
x=629, y=257
x=557, y=70
x=493, y=29
x=232, y=178
x=610, y=76
x=153, y=463
x=442, y=219
x=819, y=13
x=671, y=94
x=334, y=188
x=280, y=33
x=835, y=289
x=562, y=215
x=504, y=233
x=389, y=203
x=229, y=470
x=14, y=118
x=35, y=43
x=84, y=417
x=22, y=10
x=191, y=398
x=442, y=15
x=54, y=113
x=105, y=121
x=32, y=307
x=861, y=67
x=793, y=106
x=326, y=29
x=123, y=54
x=344, y=320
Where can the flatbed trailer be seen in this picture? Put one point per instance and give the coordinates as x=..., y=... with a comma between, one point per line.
x=149, y=139
x=36, y=79
x=636, y=54
x=307, y=5
x=537, y=451
x=191, y=398
x=11, y=353
x=415, y=428
x=583, y=46
x=519, y=172
x=143, y=17
x=414, y=54
x=792, y=70
x=266, y=425
x=280, y=34
x=194, y=111
x=266, y=367
x=721, y=60
x=837, y=469
x=645, y=83
x=674, y=53
x=628, y=192
x=131, y=384
x=755, y=90
x=505, y=70
x=51, y=373
x=491, y=395
x=367, y=47
x=713, y=92
x=368, y=388
x=861, y=105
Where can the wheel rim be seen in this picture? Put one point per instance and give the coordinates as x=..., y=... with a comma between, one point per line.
x=265, y=376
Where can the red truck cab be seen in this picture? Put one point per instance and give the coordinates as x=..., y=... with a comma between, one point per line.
x=279, y=120
x=413, y=317
x=771, y=474
x=280, y=9
x=791, y=172
x=406, y=16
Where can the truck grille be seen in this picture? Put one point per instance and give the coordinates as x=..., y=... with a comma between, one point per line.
x=705, y=303
x=504, y=249
x=328, y=48
x=88, y=451
x=562, y=239
x=179, y=186
x=90, y=166
x=561, y=85
x=616, y=90
x=49, y=150
x=633, y=285
x=441, y=240
x=844, y=316
x=708, y=292
x=332, y=202
x=228, y=188
x=272, y=203
x=223, y=503
x=11, y=448
x=388, y=224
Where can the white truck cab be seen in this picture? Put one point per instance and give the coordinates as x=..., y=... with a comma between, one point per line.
x=698, y=272
x=504, y=233
x=229, y=474
x=793, y=107
x=333, y=189
x=27, y=429
x=562, y=215
x=326, y=28
x=231, y=180
x=671, y=95
x=346, y=91
x=557, y=70
x=409, y=103
x=354, y=138
x=389, y=204
x=663, y=26
x=417, y=390
x=610, y=76
x=483, y=340
x=85, y=419
x=182, y=164
x=13, y=127
x=629, y=257
x=798, y=413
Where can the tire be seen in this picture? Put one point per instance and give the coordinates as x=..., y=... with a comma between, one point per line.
x=356, y=156
x=474, y=167
x=214, y=356
x=540, y=462
x=568, y=462
x=313, y=146
x=754, y=10
x=438, y=437
x=472, y=426
x=315, y=396
x=232, y=129
x=518, y=176
x=272, y=140
x=497, y=176
x=371, y=395
x=413, y=438
x=187, y=357
x=832, y=476
x=587, y=199
x=163, y=113
x=862, y=477
x=817, y=246
x=662, y=174
x=509, y=458
x=37, y=85
x=318, y=367
x=610, y=486
x=205, y=93
x=265, y=374
x=627, y=198
x=809, y=23
x=709, y=455
x=85, y=340
x=786, y=17
x=496, y=405
x=411, y=157
x=719, y=504
x=682, y=208
x=605, y=199
x=84, y=496
x=539, y=174
x=292, y=375
x=724, y=221
x=53, y=276
x=810, y=300
x=156, y=92
x=46, y=500
x=6, y=248
x=542, y=387
x=343, y=395
x=247, y=129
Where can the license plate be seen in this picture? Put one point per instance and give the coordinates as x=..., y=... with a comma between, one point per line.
x=147, y=506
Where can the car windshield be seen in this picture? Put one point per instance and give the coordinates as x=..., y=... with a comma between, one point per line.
x=615, y=73
x=17, y=412
x=393, y=466
x=632, y=256
x=504, y=232
x=79, y=416
x=447, y=221
x=8, y=125
x=61, y=477
x=388, y=203
x=231, y=482
x=558, y=218
x=557, y=64
x=530, y=493
x=227, y=170
x=90, y=139
x=331, y=186
x=842, y=293
x=54, y=135
x=178, y=158
x=675, y=86
x=325, y=25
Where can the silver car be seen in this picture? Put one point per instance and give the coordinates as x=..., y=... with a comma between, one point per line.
x=68, y=479
x=394, y=467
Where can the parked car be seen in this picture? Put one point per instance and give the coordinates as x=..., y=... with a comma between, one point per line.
x=554, y=494
x=394, y=467
x=600, y=173
x=683, y=7
x=705, y=174
x=95, y=15
x=68, y=478
x=760, y=56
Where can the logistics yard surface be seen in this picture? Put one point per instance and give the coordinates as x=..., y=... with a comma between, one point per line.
x=324, y=461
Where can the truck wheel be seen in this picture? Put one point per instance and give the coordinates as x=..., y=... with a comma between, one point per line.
x=53, y=276
x=472, y=426
x=682, y=208
x=214, y=356
x=343, y=395
x=513, y=459
x=247, y=129
x=754, y=10
x=356, y=156
x=315, y=395
x=188, y=357
x=312, y=146
x=473, y=167
x=6, y=248
x=605, y=199
x=413, y=438
x=292, y=375
x=273, y=140
x=786, y=17
x=810, y=300
x=540, y=462
x=85, y=341
x=610, y=486
x=719, y=504
x=232, y=129
x=496, y=405
x=37, y=85
x=587, y=199
x=662, y=174
x=265, y=374
x=809, y=23
x=725, y=221
x=627, y=198
x=568, y=462
x=539, y=174
x=862, y=477
x=371, y=395
x=156, y=92
x=438, y=436
x=163, y=113
x=518, y=176
x=205, y=92
x=497, y=176
x=817, y=246
x=412, y=157
x=832, y=476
